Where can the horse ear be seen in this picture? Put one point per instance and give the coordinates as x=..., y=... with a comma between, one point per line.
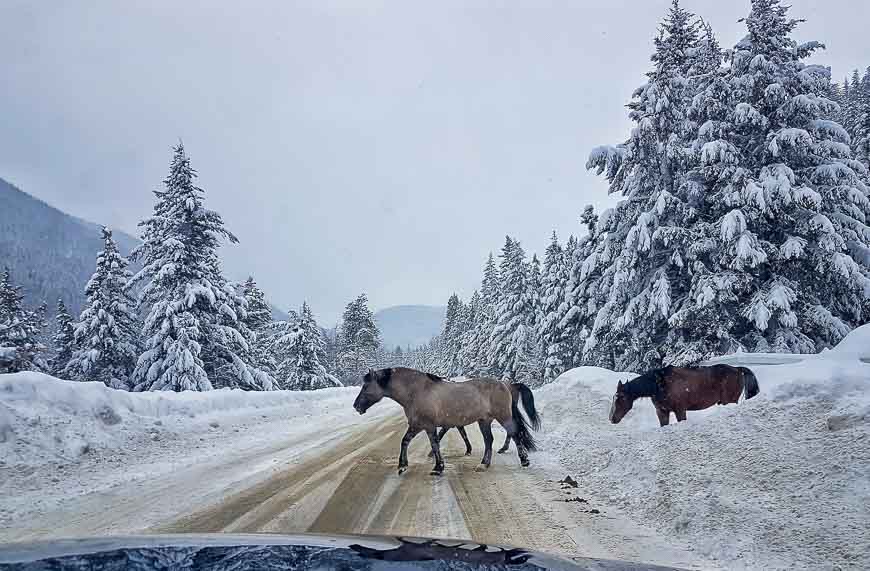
x=620, y=385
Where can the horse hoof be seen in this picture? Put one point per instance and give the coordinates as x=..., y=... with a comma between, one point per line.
x=402, y=470
x=468, y=453
x=437, y=472
x=502, y=451
x=430, y=455
x=482, y=468
x=524, y=463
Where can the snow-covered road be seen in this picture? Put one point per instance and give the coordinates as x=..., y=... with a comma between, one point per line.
x=336, y=476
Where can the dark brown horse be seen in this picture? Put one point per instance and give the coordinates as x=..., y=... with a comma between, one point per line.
x=430, y=402
x=679, y=389
x=519, y=393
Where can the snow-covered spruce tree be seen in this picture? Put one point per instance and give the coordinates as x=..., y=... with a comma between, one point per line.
x=107, y=330
x=195, y=336
x=849, y=101
x=641, y=243
x=535, y=318
x=63, y=340
x=20, y=328
x=259, y=323
x=861, y=133
x=258, y=312
x=584, y=296
x=469, y=319
x=474, y=354
x=451, y=338
x=302, y=368
x=781, y=210
x=512, y=342
x=554, y=347
x=360, y=339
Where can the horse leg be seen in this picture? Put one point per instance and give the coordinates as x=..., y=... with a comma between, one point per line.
x=436, y=448
x=403, y=451
x=441, y=434
x=510, y=427
x=464, y=436
x=664, y=416
x=680, y=414
x=486, y=431
x=506, y=446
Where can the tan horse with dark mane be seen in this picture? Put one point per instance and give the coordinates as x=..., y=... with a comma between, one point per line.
x=680, y=389
x=431, y=402
x=520, y=392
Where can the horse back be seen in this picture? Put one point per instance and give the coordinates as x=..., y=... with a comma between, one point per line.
x=460, y=404
x=697, y=388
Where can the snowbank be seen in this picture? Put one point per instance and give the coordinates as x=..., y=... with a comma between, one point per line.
x=45, y=419
x=779, y=481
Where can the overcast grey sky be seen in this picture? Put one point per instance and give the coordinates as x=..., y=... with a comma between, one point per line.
x=352, y=146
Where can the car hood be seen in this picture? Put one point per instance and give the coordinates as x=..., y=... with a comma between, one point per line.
x=302, y=551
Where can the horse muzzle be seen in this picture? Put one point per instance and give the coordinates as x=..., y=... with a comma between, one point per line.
x=361, y=407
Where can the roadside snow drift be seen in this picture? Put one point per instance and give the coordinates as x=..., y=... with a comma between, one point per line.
x=44, y=419
x=779, y=481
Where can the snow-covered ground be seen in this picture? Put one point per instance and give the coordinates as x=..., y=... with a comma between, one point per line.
x=61, y=440
x=781, y=480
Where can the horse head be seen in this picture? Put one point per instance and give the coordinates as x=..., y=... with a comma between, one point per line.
x=622, y=403
x=373, y=389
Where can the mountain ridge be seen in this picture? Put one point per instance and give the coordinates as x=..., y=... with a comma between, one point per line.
x=51, y=253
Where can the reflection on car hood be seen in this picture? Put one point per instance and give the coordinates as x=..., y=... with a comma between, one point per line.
x=284, y=552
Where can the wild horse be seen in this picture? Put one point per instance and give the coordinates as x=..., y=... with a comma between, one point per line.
x=518, y=391
x=430, y=402
x=679, y=389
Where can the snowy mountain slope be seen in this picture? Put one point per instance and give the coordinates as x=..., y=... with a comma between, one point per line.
x=409, y=325
x=51, y=254
x=780, y=481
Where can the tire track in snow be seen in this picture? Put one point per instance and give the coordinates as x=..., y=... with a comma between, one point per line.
x=352, y=486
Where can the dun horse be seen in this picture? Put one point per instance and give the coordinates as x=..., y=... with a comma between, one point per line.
x=518, y=391
x=678, y=389
x=430, y=402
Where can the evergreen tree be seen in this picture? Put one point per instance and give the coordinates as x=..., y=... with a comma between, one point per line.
x=555, y=348
x=534, y=320
x=258, y=312
x=861, y=132
x=512, y=345
x=451, y=338
x=20, y=328
x=107, y=329
x=640, y=250
x=784, y=210
x=302, y=368
x=195, y=332
x=360, y=340
x=259, y=323
x=707, y=60
x=63, y=340
x=584, y=297
x=475, y=352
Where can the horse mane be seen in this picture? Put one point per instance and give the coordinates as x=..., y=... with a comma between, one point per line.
x=647, y=384
x=435, y=377
x=382, y=376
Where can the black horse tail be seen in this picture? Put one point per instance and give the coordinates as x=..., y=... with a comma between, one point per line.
x=750, y=383
x=528, y=399
x=523, y=436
